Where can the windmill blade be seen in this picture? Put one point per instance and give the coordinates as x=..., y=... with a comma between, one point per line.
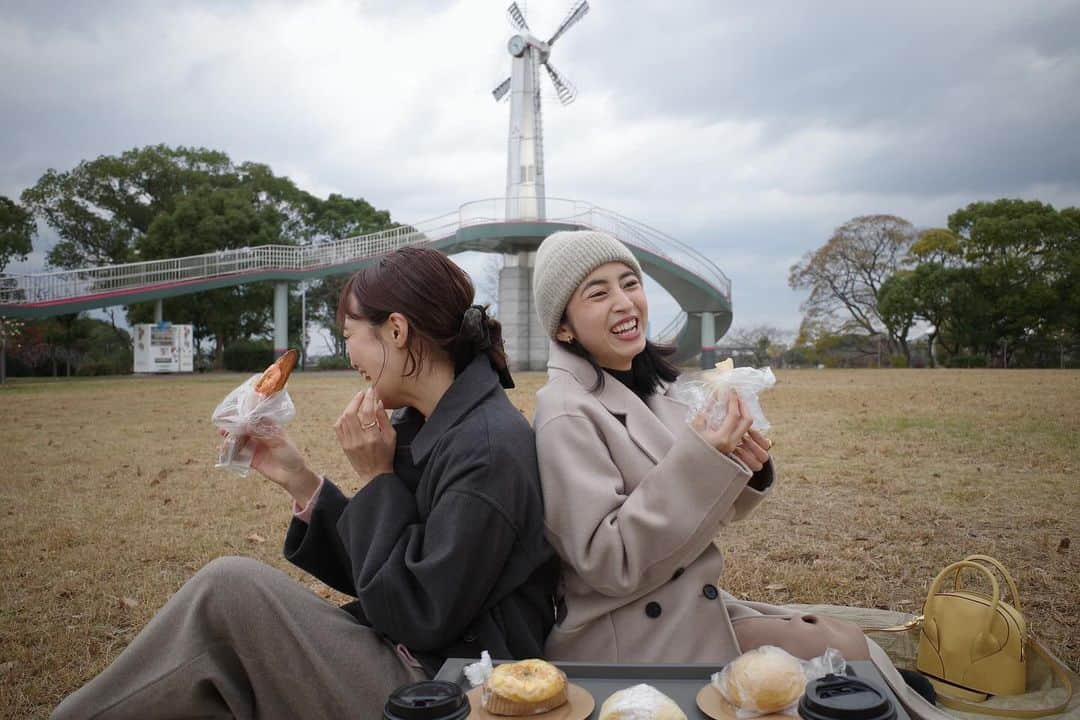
x=576, y=14
x=563, y=87
x=500, y=92
x=516, y=17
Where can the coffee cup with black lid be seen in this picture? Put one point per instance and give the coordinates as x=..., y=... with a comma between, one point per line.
x=427, y=700
x=840, y=697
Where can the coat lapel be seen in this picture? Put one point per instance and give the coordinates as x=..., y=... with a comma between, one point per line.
x=651, y=426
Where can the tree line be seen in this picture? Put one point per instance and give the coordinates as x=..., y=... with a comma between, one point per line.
x=999, y=286
x=161, y=202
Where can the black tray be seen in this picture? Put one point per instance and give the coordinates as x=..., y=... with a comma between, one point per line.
x=679, y=682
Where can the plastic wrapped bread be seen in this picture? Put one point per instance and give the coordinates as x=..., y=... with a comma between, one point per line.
x=698, y=389
x=762, y=681
x=257, y=408
x=640, y=702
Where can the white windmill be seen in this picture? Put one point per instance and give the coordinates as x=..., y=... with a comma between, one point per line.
x=525, y=161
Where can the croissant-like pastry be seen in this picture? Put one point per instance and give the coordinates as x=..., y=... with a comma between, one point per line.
x=274, y=377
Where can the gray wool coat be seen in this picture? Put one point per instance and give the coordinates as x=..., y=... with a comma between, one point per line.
x=633, y=499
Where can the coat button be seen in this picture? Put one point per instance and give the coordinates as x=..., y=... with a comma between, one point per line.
x=653, y=610
x=469, y=638
x=710, y=592
x=678, y=573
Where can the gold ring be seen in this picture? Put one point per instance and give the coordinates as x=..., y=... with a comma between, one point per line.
x=369, y=425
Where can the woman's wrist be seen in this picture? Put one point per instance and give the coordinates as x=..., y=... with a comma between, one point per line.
x=303, y=486
x=367, y=477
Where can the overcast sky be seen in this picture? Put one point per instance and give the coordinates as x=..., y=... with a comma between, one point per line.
x=747, y=130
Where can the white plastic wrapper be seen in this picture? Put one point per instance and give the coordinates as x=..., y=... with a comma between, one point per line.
x=245, y=413
x=757, y=688
x=479, y=672
x=695, y=389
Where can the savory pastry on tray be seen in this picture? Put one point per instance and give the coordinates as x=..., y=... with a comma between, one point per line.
x=527, y=687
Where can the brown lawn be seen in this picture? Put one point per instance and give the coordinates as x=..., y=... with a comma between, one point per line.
x=110, y=501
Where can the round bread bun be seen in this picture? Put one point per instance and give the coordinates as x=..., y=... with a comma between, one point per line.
x=767, y=679
x=526, y=687
x=640, y=702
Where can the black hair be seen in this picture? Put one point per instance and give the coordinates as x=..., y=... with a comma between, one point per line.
x=650, y=367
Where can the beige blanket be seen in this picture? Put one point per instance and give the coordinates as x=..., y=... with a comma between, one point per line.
x=897, y=649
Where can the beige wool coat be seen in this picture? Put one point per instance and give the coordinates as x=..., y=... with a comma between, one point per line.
x=633, y=498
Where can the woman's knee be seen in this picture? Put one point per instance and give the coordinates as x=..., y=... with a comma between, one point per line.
x=230, y=583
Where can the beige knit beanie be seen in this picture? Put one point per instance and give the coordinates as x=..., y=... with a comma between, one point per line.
x=563, y=261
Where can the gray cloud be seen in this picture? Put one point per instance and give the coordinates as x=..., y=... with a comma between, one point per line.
x=749, y=131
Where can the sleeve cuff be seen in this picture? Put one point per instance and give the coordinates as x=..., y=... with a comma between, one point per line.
x=303, y=514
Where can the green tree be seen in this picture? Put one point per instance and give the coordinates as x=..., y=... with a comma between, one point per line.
x=205, y=221
x=897, y=307
x=933, y=287
x=17, y=232
x=937, y=245
x=1010, y=245
x=337, y=218
x=1063, y=261
x=102, y=207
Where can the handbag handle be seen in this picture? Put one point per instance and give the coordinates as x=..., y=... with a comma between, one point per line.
x=1013, y=592
x=985, y=641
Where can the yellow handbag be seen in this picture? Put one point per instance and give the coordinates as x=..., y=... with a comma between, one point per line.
x=970, y=640
x=972, y=645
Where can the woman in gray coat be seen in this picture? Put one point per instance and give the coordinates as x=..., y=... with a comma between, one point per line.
x=633, y=494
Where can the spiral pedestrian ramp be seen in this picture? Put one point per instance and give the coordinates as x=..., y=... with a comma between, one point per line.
x=700, y=288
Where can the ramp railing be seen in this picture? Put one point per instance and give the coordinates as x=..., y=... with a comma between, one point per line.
x=60, y=285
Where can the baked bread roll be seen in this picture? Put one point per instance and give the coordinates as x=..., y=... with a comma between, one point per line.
x=274, y=377
x=719, y=376
x=640, y=702
x=527, y=687
x=766, y=680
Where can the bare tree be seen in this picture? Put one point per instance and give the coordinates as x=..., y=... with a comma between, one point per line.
x=844, y=276
x=764, y=344
x=487, y=282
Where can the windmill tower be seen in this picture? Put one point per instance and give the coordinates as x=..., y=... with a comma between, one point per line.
x=526, y=342
x=525, y=157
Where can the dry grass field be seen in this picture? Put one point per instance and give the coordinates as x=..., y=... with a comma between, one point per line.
x=110, y=501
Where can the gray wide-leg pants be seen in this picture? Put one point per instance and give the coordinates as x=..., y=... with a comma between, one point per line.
x=243, y=640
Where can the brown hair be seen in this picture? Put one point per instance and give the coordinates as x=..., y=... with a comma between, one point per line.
x=435, y=296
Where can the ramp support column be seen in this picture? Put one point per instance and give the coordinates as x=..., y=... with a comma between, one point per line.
x=708, y=340
x=159, y=314
x=281, y=318
x=526, y=344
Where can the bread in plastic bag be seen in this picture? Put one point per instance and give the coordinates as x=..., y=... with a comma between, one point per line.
x=697, y=389
x=246, y=413
x=768, y=680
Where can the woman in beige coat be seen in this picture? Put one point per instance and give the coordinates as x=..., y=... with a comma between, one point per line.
x=634, y=494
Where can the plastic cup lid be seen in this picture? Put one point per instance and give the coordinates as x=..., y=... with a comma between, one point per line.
x=837, y=697
x=427, y=700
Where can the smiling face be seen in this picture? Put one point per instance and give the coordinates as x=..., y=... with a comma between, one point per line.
x=376, y=352
x=607, y=314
